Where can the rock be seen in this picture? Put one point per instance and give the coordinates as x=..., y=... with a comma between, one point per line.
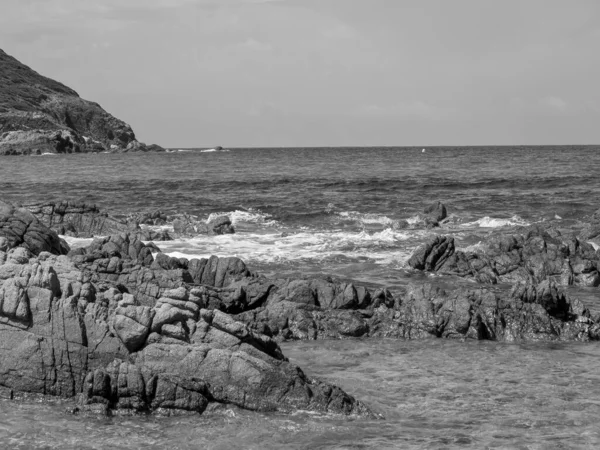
x=435, y=212
x=132, y=325
x=529, y=312
x=64, y=335
x=185, y=225
x=19, y=227
x=432, y=255
x=220, y=225
x=76, y=218
x=533, y=257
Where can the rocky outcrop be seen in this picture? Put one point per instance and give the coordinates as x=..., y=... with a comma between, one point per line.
x=20, y=228
x=39, y=115
x=530, y=312
x=64, y=335
x=124, y=260
x=532, y=257
x=76, y=218
x=185, y=225
x=592, y=229
x=435, y=213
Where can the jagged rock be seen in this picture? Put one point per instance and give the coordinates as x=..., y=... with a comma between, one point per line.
x=532, y=312
x=76, y=218
x=435, y=213
x=220, y=225
x=63, y=335
x=432, y=255
x=185, y=225
x=19, y=227
x=534, y=257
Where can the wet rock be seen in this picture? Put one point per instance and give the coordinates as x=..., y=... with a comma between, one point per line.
x=435, y=213
x=220, y=225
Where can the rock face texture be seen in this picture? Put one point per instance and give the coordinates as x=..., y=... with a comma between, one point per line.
x=128, y=329
x=39, y=115
x=532, y=257
x=20, y=228
x=64, y=335
x=76, y=218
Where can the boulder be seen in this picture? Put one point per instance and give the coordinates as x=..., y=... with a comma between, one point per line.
x=220, y=225
x=435, y=213
x=18, y=227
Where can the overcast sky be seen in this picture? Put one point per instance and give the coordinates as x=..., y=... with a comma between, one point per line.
x=193, y=73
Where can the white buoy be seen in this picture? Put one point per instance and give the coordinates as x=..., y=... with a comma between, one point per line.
x=423, y=151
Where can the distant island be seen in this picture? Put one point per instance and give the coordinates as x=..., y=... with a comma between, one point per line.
x=39, y=115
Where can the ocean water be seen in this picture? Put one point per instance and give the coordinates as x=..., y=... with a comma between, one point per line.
x=351, y=213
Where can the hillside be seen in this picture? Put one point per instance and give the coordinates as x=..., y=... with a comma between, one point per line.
x=40, y=115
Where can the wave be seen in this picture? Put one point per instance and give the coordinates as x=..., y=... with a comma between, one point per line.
x=248, y=216
x=366, y=218
x=491, y=222
x=381, y=247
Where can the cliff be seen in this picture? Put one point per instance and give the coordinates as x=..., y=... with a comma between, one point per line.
x=40, y=115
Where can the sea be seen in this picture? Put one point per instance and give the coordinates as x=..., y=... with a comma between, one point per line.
x=354, y=214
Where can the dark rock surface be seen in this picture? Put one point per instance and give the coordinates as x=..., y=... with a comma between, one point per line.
x=535, y=256
x=220, y=225
x=435, y=213
x=39, y=115
x=64, y=335
x=188, y=226
x=297, y=309
x=76, y=218
x=19, y=227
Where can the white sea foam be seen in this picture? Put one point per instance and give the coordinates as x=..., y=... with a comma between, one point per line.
x=248, y=216
x=491, y=222
x=366, y=218
x=381, y=247
x=75, y=242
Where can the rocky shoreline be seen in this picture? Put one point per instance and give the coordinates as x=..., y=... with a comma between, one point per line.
x=127, y=329
x=39, y=115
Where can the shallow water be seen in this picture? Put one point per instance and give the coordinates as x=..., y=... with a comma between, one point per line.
x=433, y=394
x=338, y=212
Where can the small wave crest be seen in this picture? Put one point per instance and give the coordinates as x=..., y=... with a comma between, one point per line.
x=491, y=222
x=380, y=247
x=366, y=218
x=248, y=216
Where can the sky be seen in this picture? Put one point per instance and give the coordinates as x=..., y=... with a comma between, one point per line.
x=252, y=73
